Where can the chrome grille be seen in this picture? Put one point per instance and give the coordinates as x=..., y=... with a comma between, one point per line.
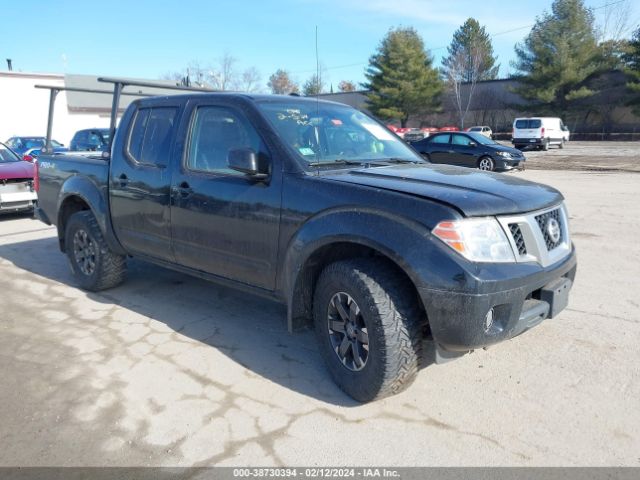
x=530, y=238
x=516, y=233
x=543, y=222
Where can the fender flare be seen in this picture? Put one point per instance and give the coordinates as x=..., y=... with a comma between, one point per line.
x=95, y=197
x=403, y=241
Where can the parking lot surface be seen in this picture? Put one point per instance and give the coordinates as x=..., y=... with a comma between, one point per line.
x=171, y=370
x=586, y=156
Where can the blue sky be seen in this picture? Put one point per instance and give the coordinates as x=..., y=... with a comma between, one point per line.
x=146, y=39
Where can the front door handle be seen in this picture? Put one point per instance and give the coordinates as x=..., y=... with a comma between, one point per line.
x=123, y=180
x=183, y=190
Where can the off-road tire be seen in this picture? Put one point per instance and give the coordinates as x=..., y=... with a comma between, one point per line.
x=393, y=321
x=109, y=268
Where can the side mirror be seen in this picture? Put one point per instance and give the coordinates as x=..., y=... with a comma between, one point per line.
x=247, y=161
x=472, y=144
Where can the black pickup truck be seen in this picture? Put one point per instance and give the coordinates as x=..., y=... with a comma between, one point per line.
x=319, y=206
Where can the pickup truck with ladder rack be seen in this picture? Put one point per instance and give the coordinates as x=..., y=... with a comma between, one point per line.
x=319, y=206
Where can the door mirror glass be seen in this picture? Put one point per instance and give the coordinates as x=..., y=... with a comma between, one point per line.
x=247, y=161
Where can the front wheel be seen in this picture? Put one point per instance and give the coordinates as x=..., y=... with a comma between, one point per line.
x=94, y=265
x=368, y=328
x=486, y=164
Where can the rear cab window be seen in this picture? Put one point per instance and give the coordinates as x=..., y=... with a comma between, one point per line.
x=150, y=136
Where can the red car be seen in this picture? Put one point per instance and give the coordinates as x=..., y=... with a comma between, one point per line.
x=449, y=128
x=17, y=192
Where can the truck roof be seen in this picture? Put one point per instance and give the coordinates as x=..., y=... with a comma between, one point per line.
x=259, y=97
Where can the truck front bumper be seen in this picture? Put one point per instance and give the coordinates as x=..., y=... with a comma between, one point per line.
x=463, y=321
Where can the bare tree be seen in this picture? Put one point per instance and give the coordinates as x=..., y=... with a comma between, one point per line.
x=464, y=68
x=250, y=80
x=614, y=24
x=347, y=86
x=194, y=75
x=223, y=75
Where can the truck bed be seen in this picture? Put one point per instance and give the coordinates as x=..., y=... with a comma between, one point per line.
x=55, y=170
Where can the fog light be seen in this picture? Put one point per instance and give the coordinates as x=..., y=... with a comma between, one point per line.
x=488, y=320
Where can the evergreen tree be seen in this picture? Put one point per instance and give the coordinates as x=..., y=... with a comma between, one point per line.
x=313, y=86
x=559, y=53
x=401, y=78
x=632, y=60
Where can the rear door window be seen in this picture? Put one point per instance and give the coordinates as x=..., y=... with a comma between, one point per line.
x=441, y=139
x=150, y=136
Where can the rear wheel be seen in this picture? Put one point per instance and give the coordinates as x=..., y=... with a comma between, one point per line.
x=426, y=156
x=368, y=328
x=94, y=265
x=545, y=145
x=486, y=164
x=561, y=144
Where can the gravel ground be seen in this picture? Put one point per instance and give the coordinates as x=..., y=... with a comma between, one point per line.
x=587, y=156
x=170, y=370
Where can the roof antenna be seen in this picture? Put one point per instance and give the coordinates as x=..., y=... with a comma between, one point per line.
x=315, y=129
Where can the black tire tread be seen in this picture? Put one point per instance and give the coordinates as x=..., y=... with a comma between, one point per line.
x=112, y=267
x=400, y=316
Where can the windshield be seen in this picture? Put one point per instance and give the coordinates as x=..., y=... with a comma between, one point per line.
x=7, y=155
x=481, y=139
x=327, y=133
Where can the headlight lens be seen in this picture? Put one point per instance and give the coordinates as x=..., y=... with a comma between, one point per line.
x=504, y=154
x=477, y=239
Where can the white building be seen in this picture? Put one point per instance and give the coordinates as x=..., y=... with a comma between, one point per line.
x=24, y=108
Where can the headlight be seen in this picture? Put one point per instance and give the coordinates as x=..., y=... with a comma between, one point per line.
x=477, y=239
x=504, y=154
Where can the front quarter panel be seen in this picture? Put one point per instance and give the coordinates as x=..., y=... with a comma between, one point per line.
x=396, y=225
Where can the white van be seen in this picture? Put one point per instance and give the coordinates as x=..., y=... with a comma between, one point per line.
x=539, y=132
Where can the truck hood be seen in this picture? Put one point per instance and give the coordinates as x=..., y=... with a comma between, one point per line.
x=472, y=192
x=11, y=170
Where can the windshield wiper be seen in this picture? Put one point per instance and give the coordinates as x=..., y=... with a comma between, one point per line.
x=394, y=160
x=340, y=161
